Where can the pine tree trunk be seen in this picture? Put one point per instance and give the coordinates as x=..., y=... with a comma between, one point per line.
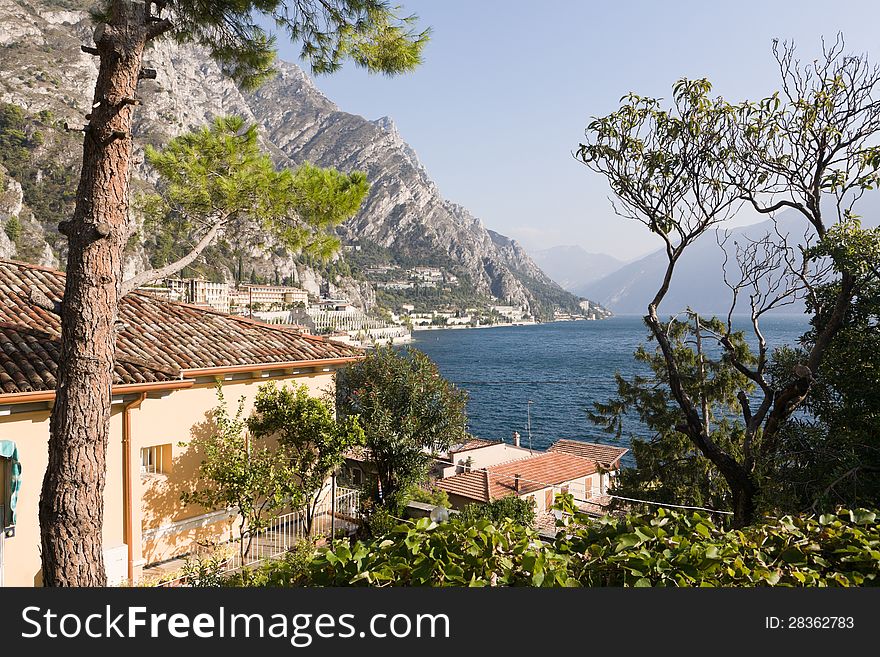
x=71, y=503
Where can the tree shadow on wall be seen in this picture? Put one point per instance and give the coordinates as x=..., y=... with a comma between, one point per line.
x=161, y=503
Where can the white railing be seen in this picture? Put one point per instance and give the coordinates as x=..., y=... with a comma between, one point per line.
x=281, y=535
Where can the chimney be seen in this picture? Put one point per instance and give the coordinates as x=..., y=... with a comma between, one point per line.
x=516, y=483
x=516, y=438
x=486, y=483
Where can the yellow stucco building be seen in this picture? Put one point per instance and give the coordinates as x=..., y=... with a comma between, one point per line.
x=169, y=359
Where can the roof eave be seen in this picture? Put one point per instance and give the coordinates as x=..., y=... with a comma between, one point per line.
x=123, y=389
x=262, y=367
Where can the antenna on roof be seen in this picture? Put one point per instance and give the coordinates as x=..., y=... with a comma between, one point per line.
x=529, y=407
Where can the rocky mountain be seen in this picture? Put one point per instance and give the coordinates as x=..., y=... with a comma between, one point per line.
x=574, y=267
x=44, y=73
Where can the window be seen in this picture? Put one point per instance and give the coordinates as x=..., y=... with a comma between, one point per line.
x=156, y=459
x=352, y=476
x=10, y=482
x=5, y=491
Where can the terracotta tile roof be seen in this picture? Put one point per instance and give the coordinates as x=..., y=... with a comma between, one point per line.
x=545, y=524
x=358, y=453
x=536, y=472
x=158, y=338
x=598, y=506
x=545, y=521
x=606, y=455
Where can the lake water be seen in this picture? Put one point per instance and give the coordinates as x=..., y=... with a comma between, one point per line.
x=562, y=367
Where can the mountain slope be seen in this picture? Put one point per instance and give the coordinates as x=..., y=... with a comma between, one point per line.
x=698, y=279
x=43, y=70
x=404, y=211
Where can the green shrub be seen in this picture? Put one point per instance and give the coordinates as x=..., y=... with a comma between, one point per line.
x=380, y=521
x=455, y=553
x=286, y=572
x=435, y=496
x=13, y=229
x=204, y=571
x=675, y=549
x=511, y=507
x=660, y=549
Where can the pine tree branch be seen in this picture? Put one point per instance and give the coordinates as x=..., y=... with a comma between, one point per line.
x=161, y=272
x=157, y=29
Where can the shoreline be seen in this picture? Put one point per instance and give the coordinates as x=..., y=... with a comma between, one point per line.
x=420, y=329
x=458, y=327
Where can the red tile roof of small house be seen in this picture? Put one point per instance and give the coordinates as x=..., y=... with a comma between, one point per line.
x=605, y=455
x=159, y=340
x=535, y=472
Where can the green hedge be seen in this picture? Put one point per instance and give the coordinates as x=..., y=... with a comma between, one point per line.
x=660, y=549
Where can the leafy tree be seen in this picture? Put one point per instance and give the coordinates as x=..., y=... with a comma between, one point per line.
x=669, y=468
x=368, y=32
x=830, y=455
x=236, y=472
x=13, y=229
x=682, y=172
x=310, y=436
x=407, y=410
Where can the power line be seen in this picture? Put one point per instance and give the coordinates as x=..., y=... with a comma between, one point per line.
x=663, y=504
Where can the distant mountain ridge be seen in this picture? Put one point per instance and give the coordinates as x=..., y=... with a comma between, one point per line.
x=574, y=267
x=697, y=281
x=42, y=69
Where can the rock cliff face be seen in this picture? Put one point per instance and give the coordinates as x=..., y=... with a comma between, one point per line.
x=42, y=69
x=405, y=211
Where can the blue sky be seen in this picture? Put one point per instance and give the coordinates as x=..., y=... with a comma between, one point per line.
x=508, y=87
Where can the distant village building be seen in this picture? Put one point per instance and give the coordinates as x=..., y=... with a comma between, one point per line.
x=269, y=297
x=434, y=274
x=380, y=270
x=340, y=315
x=335, y=305
x=396, y=285
x=511, y=313
x=195, y=291
x=226, y=298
